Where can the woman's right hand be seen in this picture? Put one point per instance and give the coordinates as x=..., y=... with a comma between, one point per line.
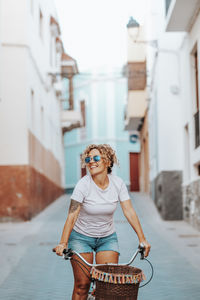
x=59, y=248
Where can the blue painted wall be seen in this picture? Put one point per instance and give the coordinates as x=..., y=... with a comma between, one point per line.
x=105, y=96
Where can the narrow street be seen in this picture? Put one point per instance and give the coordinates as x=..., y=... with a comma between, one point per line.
x=30, y=271
x=99, y=88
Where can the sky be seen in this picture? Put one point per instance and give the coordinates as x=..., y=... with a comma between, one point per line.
x=94, y=31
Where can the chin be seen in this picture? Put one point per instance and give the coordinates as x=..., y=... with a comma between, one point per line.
x=94, y=171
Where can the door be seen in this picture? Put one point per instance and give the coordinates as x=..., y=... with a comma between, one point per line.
x=83, y=170
x=134, y=172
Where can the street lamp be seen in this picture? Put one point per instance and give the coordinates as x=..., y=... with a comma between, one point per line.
x=134, y=32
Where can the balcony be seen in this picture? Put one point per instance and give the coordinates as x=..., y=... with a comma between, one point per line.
x=136, y=108
x=136, y=74
x=70, y=119
x=55, y=28
x=181, y=15
x=69, y=66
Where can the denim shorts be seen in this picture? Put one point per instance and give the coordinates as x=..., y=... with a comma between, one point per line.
x=85, y=244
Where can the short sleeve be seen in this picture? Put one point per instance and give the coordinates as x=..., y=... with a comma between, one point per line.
x=80, y=190
x=123, y=193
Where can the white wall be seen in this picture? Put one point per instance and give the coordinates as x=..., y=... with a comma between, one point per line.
x=38, y=77
x=13, y=119
x=165, y=125
x=192, y=155
x=40, y=47
x=0, y=57
x=153, y=136
x=13, y=90
x=13, y=21
x=170, y=144
x=135, y=44
x=25, y=66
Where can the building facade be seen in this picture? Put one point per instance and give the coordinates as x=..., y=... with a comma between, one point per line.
x=183, y=17
x=165, y=126
x=144, y=168
x=31, y=139
x=100, y=96
x=136, y=108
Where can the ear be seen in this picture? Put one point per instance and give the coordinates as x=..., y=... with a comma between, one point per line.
x=108, y=164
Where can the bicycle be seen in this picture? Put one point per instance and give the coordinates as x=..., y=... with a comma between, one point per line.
x=113, y=281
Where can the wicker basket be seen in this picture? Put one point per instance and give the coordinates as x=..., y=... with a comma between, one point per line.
x=116, y=282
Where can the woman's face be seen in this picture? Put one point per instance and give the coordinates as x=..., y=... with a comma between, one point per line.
x=96, y=167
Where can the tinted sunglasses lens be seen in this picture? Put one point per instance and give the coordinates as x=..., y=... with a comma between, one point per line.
x=96, y=158
x=87, y=160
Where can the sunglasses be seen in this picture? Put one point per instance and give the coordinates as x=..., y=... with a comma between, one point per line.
x=95, y=159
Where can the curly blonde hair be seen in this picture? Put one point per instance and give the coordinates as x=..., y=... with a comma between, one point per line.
x=107, y=154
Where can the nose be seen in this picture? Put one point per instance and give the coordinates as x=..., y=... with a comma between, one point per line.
x=92, y=160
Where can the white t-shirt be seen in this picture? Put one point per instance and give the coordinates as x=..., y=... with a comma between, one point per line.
x=98, y=206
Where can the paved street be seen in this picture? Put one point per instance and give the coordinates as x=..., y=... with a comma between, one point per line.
x=30, y=271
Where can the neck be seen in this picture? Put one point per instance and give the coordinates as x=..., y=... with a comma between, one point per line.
x=101, y=179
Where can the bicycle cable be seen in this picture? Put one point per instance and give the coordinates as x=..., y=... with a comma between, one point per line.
x=152, y=270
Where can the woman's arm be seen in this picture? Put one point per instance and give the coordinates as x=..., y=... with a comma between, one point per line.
x=73, y=213
x=133, y=220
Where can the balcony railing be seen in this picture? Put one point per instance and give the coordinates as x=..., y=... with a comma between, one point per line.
x=197, y=129
x=136, y=73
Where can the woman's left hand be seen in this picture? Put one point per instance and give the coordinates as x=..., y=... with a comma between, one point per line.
x=147, y=247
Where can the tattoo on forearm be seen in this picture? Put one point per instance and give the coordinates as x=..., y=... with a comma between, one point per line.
x=74, y=205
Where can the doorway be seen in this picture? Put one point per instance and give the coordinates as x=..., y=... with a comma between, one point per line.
x=134, y=171
x=83, y=170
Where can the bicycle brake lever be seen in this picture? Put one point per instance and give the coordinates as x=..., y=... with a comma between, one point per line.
x=141, y=248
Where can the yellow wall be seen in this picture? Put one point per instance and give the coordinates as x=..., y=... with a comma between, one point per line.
x=137, y=103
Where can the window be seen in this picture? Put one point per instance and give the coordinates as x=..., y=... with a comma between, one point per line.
x=198, y=170
x=196, y=128
x=82, y=103
x=196, y=87
x=196, y=79
x=41, y=25
x=83, y=129
x=187, y=153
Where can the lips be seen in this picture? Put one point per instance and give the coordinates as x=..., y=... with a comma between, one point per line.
x=92, y=167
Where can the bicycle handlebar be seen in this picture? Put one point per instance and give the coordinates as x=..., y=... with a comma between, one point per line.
x=68, y=253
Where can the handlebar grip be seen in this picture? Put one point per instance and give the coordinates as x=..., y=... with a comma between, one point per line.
x=141, y=248
x=65, y=251
x=68, y=253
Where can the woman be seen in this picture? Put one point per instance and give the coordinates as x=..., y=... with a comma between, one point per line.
x=89, y=226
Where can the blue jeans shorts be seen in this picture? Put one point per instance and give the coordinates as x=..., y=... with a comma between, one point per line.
x=85, y=244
